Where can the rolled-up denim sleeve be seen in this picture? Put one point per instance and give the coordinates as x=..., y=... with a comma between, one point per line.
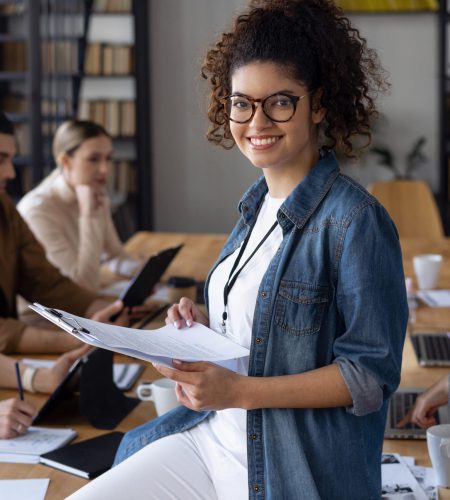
x=372, y=307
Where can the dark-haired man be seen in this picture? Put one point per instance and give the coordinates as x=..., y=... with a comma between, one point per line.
x=25, y=271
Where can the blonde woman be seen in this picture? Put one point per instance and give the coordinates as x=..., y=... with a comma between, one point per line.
x=69, y=212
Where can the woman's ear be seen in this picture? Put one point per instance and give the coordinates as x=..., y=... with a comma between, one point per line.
x=64, y=160
x=318, y=111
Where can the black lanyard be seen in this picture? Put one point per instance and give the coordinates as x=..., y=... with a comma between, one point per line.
x=231, y=281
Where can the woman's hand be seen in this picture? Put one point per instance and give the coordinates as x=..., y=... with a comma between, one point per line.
x=426, y=405
x=89, y=199
x=205, y=386
x=47, y=379
x=15, y=417
x=186, y=312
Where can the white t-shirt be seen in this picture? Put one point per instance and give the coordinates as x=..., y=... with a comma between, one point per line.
x=221, y=439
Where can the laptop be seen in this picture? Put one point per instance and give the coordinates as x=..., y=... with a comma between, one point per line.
x=399, y=405
x=431, y=349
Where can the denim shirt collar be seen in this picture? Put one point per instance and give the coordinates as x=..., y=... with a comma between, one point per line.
x=302, y=201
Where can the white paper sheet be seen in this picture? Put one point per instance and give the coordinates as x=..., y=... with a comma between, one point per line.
x=398, y=481
x=23, y=489
x=197, y=343
x=435, y=298
x=426, y=478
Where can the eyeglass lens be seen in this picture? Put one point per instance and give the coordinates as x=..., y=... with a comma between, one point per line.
x=277, y=107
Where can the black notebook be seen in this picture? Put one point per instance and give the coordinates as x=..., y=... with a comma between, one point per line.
x=86, y=459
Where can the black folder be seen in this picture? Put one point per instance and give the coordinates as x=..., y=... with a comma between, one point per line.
x=88, y=458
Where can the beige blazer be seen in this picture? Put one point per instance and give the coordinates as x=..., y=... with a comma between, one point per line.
x=75, y=244
x=24, y=270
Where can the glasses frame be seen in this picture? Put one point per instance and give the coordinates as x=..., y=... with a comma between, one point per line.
x=293, y=98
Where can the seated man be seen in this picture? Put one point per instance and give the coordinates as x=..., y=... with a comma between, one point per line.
x=25, y=270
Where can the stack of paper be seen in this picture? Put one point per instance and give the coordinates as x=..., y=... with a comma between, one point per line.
x=37, y=440
x=402, y=479
x=197, y=343
x=435, y=298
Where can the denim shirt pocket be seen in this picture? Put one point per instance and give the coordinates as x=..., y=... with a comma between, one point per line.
x=300, y=307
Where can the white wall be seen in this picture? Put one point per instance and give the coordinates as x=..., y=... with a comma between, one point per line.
x=407, y=47
x=197, y=185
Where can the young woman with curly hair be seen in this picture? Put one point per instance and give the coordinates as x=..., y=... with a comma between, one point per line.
x=310, y=280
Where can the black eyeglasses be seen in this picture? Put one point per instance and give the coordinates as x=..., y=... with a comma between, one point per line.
x=277, y=107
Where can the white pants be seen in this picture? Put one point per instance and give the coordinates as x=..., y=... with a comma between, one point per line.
x=171, y=468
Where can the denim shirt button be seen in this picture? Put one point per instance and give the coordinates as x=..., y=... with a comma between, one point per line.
x=254, y=436
x=282, y=216
x=256, y=488
x=258, y=340
x=263, y=295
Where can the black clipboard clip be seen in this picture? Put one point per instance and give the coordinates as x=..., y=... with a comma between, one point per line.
x=64, y=319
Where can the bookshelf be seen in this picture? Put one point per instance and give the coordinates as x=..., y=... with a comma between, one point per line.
x=114, y=93
x=77, y=58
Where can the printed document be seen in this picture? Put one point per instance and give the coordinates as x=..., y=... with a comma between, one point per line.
x=197, y=343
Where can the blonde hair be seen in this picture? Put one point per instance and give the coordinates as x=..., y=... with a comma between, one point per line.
x=71, y=134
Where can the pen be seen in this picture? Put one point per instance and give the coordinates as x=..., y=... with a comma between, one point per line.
x=19, y=381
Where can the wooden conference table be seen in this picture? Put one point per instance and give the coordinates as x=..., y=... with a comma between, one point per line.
x=195, y=259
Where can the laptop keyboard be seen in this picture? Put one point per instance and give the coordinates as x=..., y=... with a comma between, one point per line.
x=400, y=404
x=432, y=347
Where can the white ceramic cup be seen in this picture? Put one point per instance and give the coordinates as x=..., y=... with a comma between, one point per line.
x=427, y=269
x=161, y=392
x=438, y=440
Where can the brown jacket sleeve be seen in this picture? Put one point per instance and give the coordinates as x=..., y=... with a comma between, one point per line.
x=28, y=273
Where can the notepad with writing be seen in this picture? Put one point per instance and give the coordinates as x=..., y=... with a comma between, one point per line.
x=35, y=442
x=88, y=458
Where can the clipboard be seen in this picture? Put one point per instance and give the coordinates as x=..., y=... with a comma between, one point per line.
x=141, y=286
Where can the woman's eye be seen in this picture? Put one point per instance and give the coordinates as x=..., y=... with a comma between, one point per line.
x=282, y=102
x=241, y=104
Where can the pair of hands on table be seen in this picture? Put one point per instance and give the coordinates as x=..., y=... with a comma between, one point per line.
x=200, y=385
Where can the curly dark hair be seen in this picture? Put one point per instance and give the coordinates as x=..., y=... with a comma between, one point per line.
x=318, y=46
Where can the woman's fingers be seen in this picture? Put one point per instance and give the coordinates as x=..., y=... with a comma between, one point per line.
x=15, y=417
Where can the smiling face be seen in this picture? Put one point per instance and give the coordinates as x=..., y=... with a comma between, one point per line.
x=7, y=152
x=282, y=148
x=90, y=164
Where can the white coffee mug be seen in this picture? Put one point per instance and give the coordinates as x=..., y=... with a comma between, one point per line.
x=438, y=440
x=427, y=269
x=161, y=392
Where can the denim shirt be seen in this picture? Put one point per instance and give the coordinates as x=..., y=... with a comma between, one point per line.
x=333, y=293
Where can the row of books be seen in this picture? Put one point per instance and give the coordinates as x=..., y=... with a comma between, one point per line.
x=123, y=178
x=60, y=56
x=107, y=59
x=13, y=56
x=50, y=107
x=112, y=5
x=117, y=117
x=56, y=56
